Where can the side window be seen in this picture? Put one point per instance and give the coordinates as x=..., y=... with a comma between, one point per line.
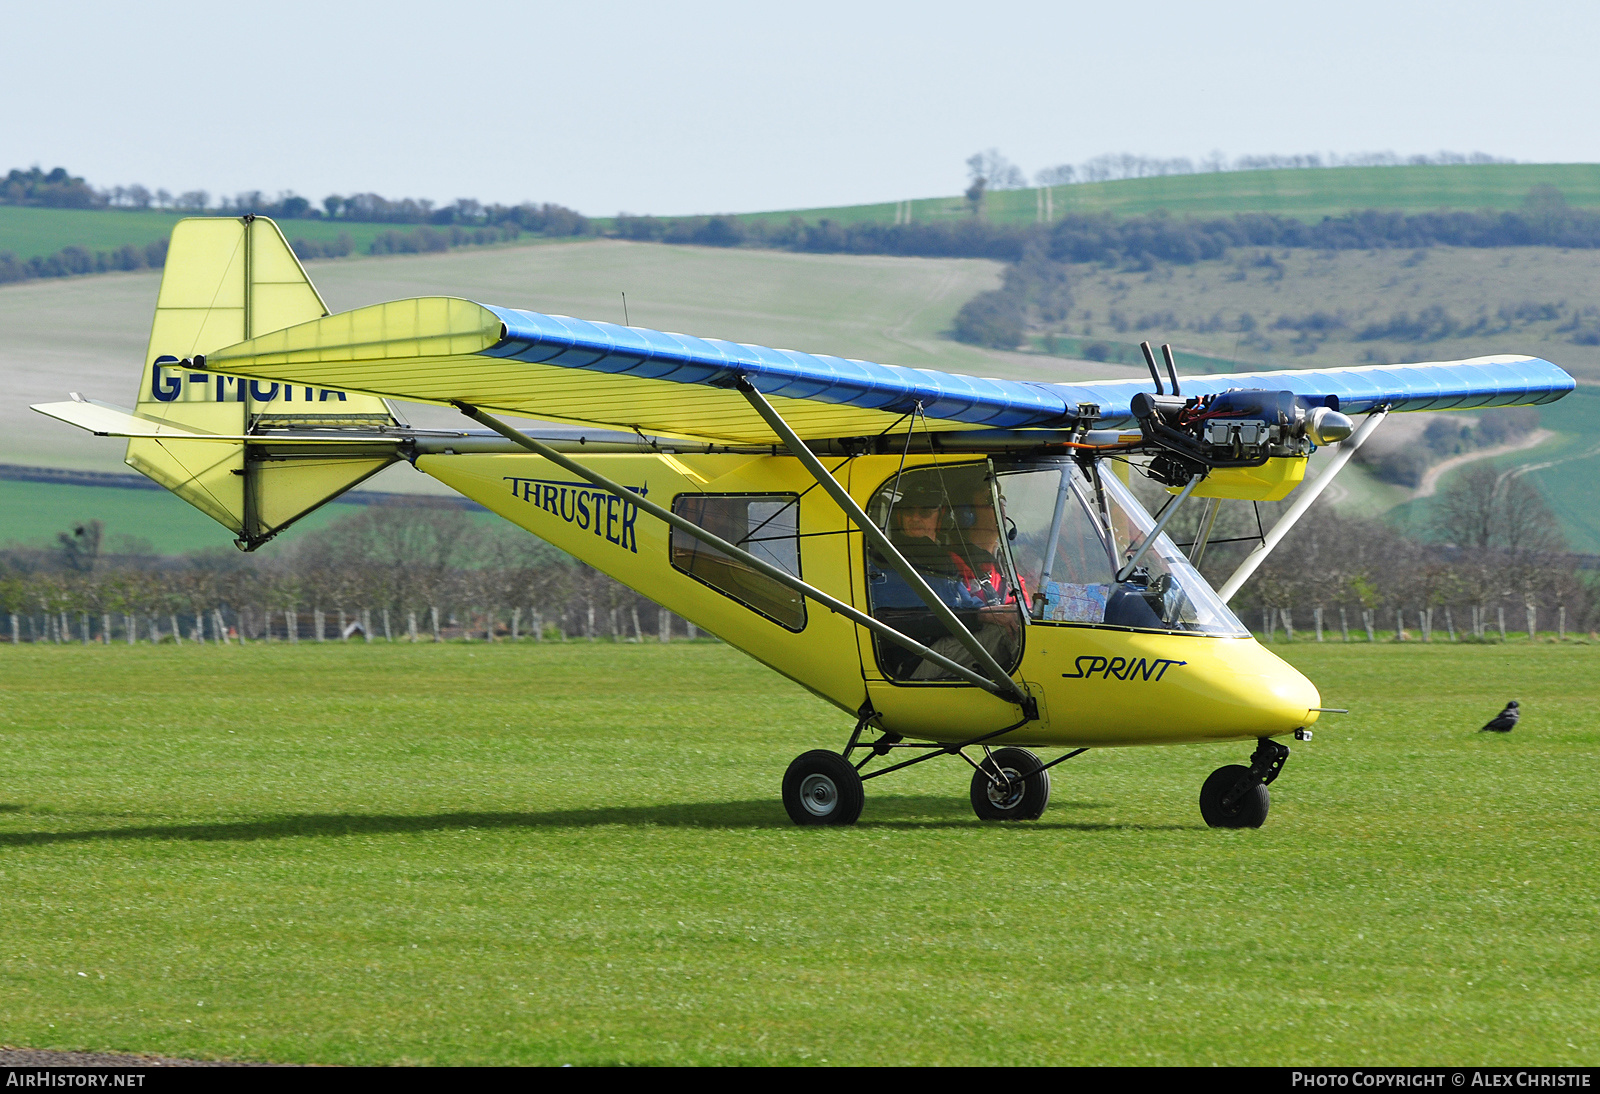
x=766, y=525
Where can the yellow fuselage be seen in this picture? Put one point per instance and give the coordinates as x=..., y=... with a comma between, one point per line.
x=1095, y=685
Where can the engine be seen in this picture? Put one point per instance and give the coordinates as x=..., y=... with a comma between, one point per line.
x=1238, y=428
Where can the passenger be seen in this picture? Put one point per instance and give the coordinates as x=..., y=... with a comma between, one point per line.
x=915, y=529
x=978, y=560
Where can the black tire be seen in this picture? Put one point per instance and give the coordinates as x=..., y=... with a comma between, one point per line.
x=822, y=787
x=1250, y=811
x=1016, y=798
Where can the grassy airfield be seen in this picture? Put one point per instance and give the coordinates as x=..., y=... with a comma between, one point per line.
x=576, y=853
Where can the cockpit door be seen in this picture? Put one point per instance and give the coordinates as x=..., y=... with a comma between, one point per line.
x=947, y=522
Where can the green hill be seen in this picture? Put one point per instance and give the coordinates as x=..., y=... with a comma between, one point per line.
x=88, y=334
x=30, y=232
x=1563, y=470
x=1308, y=194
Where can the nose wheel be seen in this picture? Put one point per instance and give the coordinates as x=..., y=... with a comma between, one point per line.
x=1236, y=796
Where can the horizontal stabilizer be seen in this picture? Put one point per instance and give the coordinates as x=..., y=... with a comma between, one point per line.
x=105, y=420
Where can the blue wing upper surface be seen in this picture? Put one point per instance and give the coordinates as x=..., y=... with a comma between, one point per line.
x=563, y=342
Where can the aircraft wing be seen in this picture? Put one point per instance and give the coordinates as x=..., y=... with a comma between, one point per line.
x=441, y=349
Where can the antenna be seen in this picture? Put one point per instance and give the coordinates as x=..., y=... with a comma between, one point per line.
x=1172, y=369
x=625, y=311
x=1150, y=359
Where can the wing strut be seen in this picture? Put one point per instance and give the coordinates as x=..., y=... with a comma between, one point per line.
x=781, y=576
x=841, y=496
x=1309, y=494
x=1161, y=524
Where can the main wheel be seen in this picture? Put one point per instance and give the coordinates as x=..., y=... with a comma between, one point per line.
x=1250, y=811
x=822, y=787
x=1011, y=797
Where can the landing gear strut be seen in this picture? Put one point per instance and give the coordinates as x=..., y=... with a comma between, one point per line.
x=1236, y=796
x=825, y=788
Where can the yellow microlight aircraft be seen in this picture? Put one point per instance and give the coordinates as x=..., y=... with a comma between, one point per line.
x=943, y=557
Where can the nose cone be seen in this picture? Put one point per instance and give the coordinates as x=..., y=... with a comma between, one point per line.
x=1264, y=694
x=1290, y=700
x=1328, y=426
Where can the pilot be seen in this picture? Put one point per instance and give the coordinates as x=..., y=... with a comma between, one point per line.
x=992, y=609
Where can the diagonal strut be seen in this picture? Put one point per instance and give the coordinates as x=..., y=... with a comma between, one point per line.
x=842, y=497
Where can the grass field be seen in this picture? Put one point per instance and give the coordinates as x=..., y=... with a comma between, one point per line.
x=576, y=853
x=1305, y=194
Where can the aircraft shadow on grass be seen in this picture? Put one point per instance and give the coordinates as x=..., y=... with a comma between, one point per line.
x=902, y=811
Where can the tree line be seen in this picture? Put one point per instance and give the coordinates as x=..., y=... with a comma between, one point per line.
x=393, y=572
x=414, y=572
x=60, y=189
x=463, y=223
x=74, y=261
x=1494, y=563
x=1033, y=289
x=1125, y=165
x=1139, y=243
x=1544, y=220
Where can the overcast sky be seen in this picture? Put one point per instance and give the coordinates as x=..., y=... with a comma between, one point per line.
x=708, y=107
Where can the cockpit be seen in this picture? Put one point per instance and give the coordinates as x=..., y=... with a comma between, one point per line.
x=1008, y=544
x=1077, y=540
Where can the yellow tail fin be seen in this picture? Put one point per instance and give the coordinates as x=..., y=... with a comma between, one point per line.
x=228, y=280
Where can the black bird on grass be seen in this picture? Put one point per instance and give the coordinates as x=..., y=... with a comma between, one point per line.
x=1503, y=721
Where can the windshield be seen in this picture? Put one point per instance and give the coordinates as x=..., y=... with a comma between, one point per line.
x=1068, y=541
